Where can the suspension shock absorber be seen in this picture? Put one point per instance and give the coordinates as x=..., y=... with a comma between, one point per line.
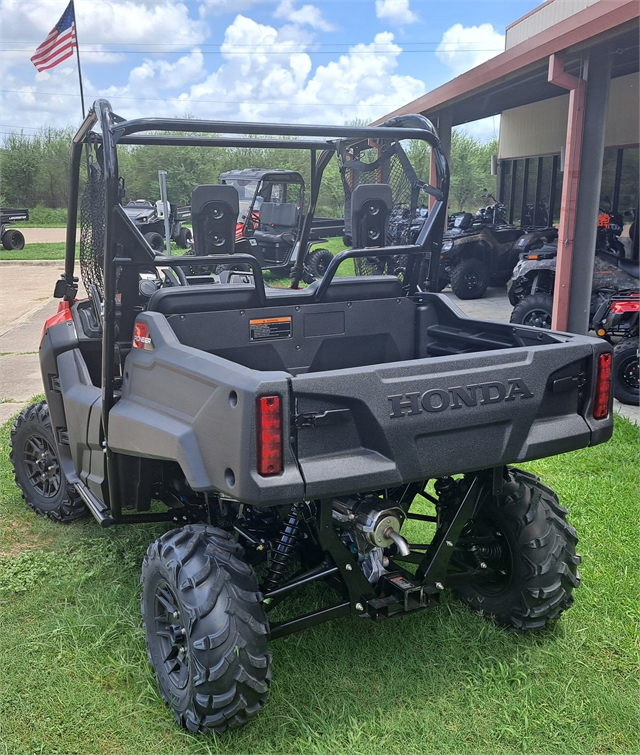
x=285, y=548
x=447, y=490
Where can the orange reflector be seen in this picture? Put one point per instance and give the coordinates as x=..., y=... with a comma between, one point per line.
x=533, y=257
x=603, y=387
x=269, y=431
x=601, y=332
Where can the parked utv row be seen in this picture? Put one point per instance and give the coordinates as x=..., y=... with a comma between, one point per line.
x=288, y=436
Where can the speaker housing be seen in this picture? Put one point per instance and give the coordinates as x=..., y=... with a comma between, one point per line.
x=214, y=214
x=371, y=206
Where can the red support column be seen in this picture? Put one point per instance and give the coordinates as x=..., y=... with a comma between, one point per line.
x=573, y=150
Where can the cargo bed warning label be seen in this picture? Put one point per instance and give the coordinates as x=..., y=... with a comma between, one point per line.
x=270, y=328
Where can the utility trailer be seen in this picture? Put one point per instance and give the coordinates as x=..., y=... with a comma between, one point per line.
x=12, y=238
x=359, y=432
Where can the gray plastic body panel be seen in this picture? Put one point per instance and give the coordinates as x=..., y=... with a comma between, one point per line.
x=407, y=421
x=180, y=403
x=441, y=416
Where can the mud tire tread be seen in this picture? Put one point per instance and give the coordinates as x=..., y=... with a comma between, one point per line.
x=318, y=262
x=529, y=304
x=68, y=506
x=461, y=270
x=227, y=629
x=544, y=564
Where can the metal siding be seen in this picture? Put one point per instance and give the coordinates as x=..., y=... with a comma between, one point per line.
x=540, y=128
x=537, y=129
x=546, y=16
x=623, y=119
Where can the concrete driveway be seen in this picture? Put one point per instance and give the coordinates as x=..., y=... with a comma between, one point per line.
x=26, y=301
x=45, y=235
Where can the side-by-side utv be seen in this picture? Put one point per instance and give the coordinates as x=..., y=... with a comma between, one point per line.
x=359, y=432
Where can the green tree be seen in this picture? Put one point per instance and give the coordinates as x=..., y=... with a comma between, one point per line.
x=20, y=160
x=470, y=167
x=52, y=182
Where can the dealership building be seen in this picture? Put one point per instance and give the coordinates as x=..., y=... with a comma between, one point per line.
x=566, y=88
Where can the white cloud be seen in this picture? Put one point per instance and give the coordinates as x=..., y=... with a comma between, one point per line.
x=308, y=14
x=362, y=84
x=276, y=81
x=396, y=12
x=265, y=74
x=465, y=47
x=31, y=99
x=164, y=75
x=101, y=23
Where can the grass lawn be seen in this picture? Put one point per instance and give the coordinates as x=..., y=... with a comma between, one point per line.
x=75, y=677
x=35, y=252
x=56, y=252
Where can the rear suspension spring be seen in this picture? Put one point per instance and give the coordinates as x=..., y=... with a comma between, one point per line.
x=282, y=554
x=490, y=552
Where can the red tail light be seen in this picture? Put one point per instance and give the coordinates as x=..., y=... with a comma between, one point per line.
x=269, y=427
x=628, y=305
x=603, y=387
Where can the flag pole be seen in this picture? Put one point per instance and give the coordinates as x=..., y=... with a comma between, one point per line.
x=75, y=23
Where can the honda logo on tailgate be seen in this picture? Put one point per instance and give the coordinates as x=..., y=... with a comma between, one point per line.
x=439, y=399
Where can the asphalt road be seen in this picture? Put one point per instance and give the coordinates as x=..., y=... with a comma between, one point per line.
x=26, y=301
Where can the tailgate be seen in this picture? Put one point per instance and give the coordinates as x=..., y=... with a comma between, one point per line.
x=383, y=425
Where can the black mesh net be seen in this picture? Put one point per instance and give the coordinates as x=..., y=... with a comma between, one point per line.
x=389, y=166
x=92, y=230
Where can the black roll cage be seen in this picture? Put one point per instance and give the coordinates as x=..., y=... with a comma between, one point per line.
x=322, y=142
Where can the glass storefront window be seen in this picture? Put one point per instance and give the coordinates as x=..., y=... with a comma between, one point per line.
x=531, y=188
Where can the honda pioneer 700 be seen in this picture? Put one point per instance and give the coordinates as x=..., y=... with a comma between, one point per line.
x=358, y=432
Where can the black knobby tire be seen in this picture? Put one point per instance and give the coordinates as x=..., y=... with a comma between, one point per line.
x=529, y=550
x=535, y=310
x=470, y=279
x=625, y=371
x=184, y=237
x=318, y=262
x=12, y=239
x=37, y=469
x=206, y=628
x=155, y=241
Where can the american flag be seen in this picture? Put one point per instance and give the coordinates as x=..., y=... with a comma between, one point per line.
x=60, y=43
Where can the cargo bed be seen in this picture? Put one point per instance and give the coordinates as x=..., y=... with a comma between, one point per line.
x=377, y=391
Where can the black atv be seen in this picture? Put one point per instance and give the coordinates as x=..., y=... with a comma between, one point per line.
x=479, y=250
x=286, y=436
x=532, y=283
x=613, y=311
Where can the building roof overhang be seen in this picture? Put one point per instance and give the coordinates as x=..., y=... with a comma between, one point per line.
x=519, y=76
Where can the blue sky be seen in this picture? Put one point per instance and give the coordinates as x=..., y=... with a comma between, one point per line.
x=324, y=61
